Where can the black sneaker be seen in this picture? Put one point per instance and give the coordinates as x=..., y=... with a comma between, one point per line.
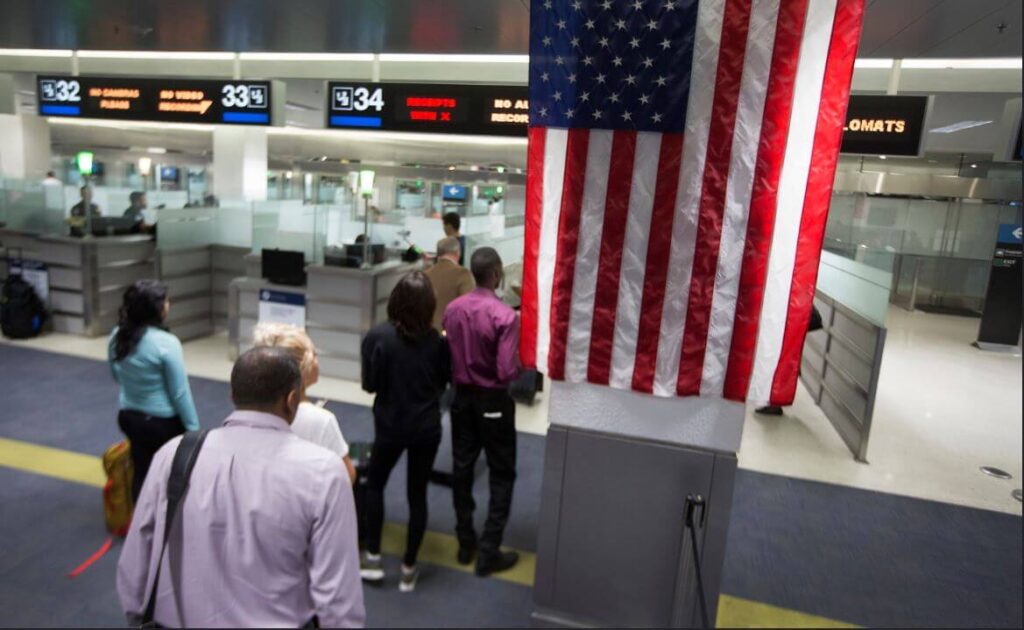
x=466, y=554
x=501, y=561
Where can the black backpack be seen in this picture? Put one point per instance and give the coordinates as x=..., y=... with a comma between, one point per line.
x=22, y=313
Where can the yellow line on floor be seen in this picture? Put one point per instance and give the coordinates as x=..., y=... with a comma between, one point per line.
x=52, y=462
x=441, y=549
x=736, y=612
x=437, y=549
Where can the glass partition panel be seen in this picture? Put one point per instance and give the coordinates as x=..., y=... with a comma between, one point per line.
x=925, y=227
x=233, y=225
x=859, y=286
x=288, y=225
x=32, y=206
x=181, y=228
x=976, y=228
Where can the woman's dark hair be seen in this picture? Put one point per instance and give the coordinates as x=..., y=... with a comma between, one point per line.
x=411, y=306
x=143, y=306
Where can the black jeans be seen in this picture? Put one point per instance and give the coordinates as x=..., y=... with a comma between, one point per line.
x=483, y=419
x=146, y=434
x=418, y=467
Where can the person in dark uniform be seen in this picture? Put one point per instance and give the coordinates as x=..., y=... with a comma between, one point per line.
x=78, y=212
x=134, y=211
x=452, y=223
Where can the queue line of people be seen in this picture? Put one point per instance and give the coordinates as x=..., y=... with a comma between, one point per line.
x=269, y=507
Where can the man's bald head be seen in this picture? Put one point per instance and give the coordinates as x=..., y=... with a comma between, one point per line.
x=269, y=380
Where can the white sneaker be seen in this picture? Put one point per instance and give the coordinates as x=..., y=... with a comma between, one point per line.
x=371, y=568
x=409, y=576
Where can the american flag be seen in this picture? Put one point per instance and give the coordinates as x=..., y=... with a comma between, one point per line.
x=680, y=165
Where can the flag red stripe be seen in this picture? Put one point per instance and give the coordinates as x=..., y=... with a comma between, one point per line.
x=534, y=207
x=764, y=197
x=835, y=94
x=712, y=202
x=606, y=297
x=659, y=245
x=568, y=238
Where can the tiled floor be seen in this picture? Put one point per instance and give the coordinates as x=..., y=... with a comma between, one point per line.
x=943, y=410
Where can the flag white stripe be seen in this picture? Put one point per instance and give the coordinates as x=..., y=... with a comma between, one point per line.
x=746, y=138
x=588, y=252
x=554, y=172
x=634, y=258
x=792, y=188
x=691, y=176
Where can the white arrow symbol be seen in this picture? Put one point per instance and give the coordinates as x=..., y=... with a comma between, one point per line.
x=1017, y=234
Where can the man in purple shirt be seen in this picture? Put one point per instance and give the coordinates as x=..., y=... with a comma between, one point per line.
x=266, y=534
x=483, y=335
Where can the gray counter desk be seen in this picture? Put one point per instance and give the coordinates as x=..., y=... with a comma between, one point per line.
x=87, y=276
x=341, y=306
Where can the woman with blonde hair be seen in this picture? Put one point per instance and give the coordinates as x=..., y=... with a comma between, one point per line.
x=312, y=423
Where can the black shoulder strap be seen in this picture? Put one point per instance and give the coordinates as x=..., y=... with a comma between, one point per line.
x=177, y=485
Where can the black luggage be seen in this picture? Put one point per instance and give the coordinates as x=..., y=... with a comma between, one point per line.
x=524, y=389
x=22, y=313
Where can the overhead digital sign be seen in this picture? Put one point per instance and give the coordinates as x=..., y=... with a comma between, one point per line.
x=884, y=125
x=494, y=110
x=242, y=102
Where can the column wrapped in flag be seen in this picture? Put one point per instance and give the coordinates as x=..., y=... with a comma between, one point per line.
x=680, y=168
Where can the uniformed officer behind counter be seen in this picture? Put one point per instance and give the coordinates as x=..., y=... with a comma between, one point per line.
x=78, y=219
x=134, y=212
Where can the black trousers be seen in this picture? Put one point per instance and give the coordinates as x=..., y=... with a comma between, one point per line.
x=146, y=434
x=483, y=419
x=418, y=467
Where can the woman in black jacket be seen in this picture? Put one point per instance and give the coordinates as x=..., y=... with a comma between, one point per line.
x=406, y=364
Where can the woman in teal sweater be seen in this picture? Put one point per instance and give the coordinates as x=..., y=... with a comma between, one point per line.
x=146, y=361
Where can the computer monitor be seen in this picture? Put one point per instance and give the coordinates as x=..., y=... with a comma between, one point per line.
x=113, y=226
x=282, y=266
x=354, y=254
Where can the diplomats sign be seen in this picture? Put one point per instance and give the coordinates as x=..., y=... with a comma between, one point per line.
x=885, y=125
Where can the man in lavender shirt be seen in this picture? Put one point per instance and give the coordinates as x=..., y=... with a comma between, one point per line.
x=483, y=335
x=266, y=534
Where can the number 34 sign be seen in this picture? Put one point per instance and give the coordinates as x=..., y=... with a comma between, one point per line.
x=360, y=99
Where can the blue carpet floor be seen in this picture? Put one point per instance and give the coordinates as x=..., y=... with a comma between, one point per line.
x=848, y=554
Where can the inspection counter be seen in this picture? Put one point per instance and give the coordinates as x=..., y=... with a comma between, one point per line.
x=86, y=276
x=339, y=305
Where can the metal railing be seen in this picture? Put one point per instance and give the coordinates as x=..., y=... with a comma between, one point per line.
x=840, y=368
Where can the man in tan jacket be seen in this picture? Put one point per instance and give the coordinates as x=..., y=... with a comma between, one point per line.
x=450, y=280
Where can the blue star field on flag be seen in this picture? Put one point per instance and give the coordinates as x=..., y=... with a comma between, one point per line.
x=611, y=64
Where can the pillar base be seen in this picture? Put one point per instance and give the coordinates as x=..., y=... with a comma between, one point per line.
x=612, y=547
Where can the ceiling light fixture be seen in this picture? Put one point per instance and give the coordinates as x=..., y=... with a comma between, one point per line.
x=129, y=124
x=960, y=126
x=275, y=56
x=1009, y=63
x=873, y=63
x=34, y=52
x=156, y=54
x=428, y=58
x=399, y=136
